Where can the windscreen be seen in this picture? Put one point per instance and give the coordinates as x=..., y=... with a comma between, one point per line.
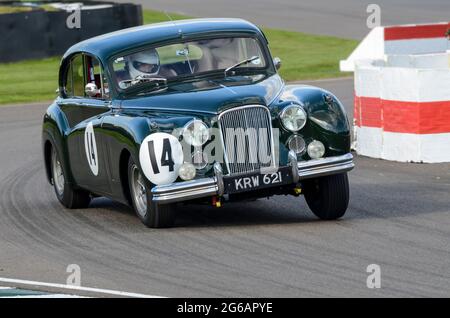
x=189, y=59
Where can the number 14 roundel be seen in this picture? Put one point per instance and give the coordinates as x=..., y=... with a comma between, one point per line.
x=161, y=156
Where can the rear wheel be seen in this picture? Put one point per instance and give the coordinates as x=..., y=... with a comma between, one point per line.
x=66, y=194
x=328, y=197
x=150, y=213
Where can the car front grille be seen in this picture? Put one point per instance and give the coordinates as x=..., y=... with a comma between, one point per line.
x=247, y=138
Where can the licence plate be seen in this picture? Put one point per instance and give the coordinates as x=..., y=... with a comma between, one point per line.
x=255, y=181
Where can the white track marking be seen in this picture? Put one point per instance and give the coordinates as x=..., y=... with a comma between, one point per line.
x=77, y=288
x=3, y=288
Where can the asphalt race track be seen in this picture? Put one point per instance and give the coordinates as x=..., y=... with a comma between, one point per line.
x=343, y=18
x=399, y=218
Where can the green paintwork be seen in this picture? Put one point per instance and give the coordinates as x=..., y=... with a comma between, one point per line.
x=122, y=123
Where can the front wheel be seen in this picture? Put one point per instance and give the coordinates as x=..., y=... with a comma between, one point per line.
x=328, y=197
x=150, y=213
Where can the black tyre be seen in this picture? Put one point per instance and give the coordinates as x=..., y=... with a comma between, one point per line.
x=69, y=197
x=328, y=197
x=151, y=214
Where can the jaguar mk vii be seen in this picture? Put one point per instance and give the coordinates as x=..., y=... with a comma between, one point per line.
x=191, y=111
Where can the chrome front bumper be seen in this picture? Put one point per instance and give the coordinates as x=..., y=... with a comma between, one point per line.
x=207, y=187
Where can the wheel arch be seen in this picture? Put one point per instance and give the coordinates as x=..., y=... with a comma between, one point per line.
x=327, y=118
x=123, y=173
x=47, y=160
x=317, y=102
x=54, y=129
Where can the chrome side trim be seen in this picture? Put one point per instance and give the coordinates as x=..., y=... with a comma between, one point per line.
x=325, y=166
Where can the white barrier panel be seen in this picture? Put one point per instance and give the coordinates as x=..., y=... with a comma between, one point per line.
x=403, y=113
x=440, y=60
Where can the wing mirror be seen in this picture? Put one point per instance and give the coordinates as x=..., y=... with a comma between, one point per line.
x=277, y=62
x=91, y=90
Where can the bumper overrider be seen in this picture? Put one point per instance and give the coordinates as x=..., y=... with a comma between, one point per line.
x=214, y=186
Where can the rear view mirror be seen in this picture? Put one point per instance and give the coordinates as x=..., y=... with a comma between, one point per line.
x=91, y=90
x=277, y=62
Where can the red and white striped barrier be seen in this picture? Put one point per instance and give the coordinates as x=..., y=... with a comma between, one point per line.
x=402, y=97
x=403, y=39
x=402, y=114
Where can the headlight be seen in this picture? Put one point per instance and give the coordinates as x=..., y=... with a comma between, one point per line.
x=297, y=144
x=293, y=117
x=316, y=149
x=196, y=133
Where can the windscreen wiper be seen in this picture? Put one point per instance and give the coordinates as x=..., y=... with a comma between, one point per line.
x=157, y=80
x=253, y=58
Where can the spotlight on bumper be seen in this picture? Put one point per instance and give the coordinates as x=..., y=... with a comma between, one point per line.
x=316, y=149
x=187, y=171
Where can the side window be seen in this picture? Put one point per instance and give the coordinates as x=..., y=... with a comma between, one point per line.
x=77, y=76
x=96, y=76
x=85, y=69
x=68, y=86
x=74, y=82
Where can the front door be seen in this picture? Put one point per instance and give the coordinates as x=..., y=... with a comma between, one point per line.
x=85, y=141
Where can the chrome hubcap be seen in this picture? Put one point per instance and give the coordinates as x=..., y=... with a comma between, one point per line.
x=139, y=193
x=58, y=175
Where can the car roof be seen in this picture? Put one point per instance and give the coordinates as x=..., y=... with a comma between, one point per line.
x=110, y=44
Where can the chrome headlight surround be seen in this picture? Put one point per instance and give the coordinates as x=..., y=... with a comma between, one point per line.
x=195, y=133
x=293, y=117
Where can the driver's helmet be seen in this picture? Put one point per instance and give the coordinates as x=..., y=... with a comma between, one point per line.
x=143, y=63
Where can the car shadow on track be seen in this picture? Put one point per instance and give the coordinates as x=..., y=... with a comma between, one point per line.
x=368, y=201
x=378, y=190
x=257, y=212
x=260, y=212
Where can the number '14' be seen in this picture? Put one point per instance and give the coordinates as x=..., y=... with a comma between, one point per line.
x=166, y=156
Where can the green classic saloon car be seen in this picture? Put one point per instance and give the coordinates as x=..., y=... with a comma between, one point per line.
x=191, y=111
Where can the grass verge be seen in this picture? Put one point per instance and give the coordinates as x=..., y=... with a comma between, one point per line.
x=29, y=81
x=304, y=56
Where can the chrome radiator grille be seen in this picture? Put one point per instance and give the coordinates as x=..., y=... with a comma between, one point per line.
x=247, y=138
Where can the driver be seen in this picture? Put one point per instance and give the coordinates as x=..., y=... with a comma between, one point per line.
x=146, y=63
x=143, y=63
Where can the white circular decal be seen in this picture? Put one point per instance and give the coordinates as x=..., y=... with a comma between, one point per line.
x=91, y=148
x=161, y=156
